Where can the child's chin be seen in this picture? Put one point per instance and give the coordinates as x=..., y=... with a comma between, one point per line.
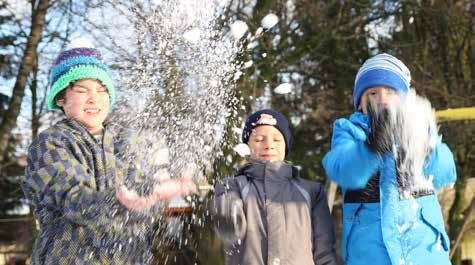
x=269, y=159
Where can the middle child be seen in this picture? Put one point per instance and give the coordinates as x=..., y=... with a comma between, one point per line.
x=267, y=213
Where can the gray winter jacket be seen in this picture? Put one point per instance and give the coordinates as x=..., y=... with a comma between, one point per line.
x=286, y=218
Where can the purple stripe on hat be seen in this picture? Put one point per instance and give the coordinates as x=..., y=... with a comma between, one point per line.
x=78, y=52
x=66, y=64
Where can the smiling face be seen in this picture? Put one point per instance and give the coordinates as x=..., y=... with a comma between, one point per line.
x=379, y=97
x=267, y=143
x=86, y=101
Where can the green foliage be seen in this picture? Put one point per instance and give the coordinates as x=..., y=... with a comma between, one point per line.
x=11, y=195
x=317, y=47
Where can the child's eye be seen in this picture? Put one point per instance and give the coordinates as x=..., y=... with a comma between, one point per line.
x=80, y=90
x=277, y=140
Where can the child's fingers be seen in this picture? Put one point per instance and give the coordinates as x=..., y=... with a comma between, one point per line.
x=125, y=194
x=173, y=188
x=188, y=186
x=131, y=200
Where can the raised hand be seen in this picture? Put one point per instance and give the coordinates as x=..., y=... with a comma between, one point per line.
x=230, y=219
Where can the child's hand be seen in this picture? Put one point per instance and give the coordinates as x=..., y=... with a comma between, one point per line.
x=381, y=139
x=170, y=188
x=230, y=219
x=164, y=191
x=132, y=201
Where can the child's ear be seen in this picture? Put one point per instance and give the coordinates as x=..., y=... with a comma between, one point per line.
x=60, y=102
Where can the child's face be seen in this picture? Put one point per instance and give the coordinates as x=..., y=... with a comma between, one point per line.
x=379, y=97
x=86, y=101
x=267, y=143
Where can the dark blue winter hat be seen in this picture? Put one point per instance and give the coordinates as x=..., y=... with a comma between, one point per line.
x=272, y=118
x=381, y=70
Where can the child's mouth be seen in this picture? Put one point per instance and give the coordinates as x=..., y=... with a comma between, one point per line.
x=92, y=110
x=267, y=157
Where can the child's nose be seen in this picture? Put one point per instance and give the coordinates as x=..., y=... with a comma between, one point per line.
x=92, y=96
x=269, y=144
x=382, y=97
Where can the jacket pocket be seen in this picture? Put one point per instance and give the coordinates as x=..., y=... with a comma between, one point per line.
x=350, y=210
x=432, y=217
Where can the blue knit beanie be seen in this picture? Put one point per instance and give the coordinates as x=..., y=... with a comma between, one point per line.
x=79, y=61
x=272, y=118
x=381, y=70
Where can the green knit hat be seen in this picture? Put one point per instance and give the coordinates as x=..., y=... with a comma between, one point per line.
x=75, y=64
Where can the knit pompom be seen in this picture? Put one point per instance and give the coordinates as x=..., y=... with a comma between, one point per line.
x=80, y=42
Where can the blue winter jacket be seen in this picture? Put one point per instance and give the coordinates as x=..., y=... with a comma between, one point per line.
x=400, y=231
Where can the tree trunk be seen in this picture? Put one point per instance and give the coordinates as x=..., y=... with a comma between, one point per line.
x=465, y=222
x=11, y=115
x=470, y=55
x=35, y=114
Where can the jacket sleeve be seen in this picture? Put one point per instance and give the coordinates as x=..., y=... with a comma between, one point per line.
x=227, y=205
x=56, y=181
x=226, y=189
x=323, y=235
x=441, y=166
x=350, y=163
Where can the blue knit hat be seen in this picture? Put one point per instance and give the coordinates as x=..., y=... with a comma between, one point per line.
x=272, y=118
x=381, y=70
x=80, y=61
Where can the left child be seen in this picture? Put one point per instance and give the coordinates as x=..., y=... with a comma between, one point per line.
x=76, y=173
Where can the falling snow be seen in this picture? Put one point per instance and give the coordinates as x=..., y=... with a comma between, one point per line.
x=242, y=149
x=269, y=21
x=238, y=29
x=284, y=88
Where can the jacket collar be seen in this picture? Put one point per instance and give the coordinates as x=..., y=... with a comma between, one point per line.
x=259, y=169
x=79, y=127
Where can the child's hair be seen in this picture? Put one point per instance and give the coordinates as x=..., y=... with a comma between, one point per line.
x=80, y=61
x=381, y=70
x=61, y=96
x=272, y=118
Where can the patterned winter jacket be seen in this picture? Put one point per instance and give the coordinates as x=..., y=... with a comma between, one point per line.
x=71, y=179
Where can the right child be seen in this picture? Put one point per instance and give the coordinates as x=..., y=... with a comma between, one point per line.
x=381, y=224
